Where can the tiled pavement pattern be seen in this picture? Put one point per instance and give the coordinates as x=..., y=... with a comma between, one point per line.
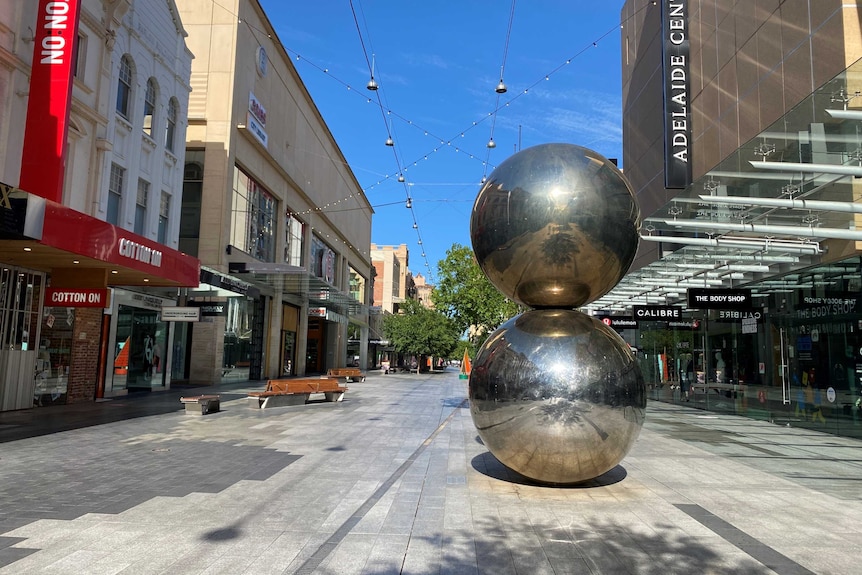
x=395, y=480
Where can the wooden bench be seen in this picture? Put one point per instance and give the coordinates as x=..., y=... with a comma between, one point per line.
x=297, y=391
x=346, y=373
x=201, y=404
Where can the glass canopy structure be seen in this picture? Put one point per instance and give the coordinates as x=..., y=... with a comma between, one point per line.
x=785, y=201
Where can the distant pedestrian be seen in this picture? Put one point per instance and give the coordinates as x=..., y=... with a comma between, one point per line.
x=687, y=379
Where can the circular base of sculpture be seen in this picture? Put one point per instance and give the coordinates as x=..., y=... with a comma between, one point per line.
x=557, y=396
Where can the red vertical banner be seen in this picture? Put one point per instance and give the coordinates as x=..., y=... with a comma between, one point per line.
x=44, y=159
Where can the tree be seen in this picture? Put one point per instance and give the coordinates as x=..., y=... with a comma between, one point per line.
x=418, y=330
x=464, y=294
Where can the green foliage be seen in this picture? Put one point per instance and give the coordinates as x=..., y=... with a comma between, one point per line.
x=418, y=330
x=464, y=294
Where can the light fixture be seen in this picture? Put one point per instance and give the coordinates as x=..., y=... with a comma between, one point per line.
x=830, y=206
x=837, y=169
x=389, y=141
x=76, y=261
x=400, y=178
x=114, y=272
x=28, y=249
x=765, y=244
x=146, y=279
x=372, y=85
x=491, y=143
x=409, y=203
x=795, y=231
x=415, y=226
x=501, y=87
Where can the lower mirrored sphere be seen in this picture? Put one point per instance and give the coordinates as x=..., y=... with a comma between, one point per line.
x=557, y=396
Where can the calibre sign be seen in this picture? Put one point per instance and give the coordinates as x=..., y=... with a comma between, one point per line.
x=657, y=312
x=677, y=91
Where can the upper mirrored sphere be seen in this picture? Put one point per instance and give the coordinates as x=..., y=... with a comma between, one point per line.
x=555, y=226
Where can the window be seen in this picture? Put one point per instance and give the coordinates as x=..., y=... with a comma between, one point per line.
x=252, y=218
x=124, y=86
x=293, y=235
x=150, y=107
x=115, y=194
x=171, y=124
x=322, y=260
x=141, y=207
x=80, y=58
x=357, y=286
x=192, y=198
x=164, y=211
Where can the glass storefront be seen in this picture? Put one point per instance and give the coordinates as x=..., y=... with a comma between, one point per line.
x=139, y=344
x=796, y=360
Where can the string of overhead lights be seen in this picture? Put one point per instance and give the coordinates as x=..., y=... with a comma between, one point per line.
x=499, y=90
x=390, y=142
x=330, y=237
x=389, y=114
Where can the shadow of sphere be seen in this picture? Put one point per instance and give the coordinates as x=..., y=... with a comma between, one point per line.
x=557, y=396
x=490, y=466
x=555, y=226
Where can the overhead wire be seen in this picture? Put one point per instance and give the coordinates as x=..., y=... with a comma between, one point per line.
x=386, y=111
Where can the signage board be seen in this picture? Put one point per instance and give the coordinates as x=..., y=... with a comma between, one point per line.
x=657, y=312
x=619, y=322
x=677, y=93
x=43, y=161
x=179, y=313
x=708, y=298
x=210, y=308
x=77, y=297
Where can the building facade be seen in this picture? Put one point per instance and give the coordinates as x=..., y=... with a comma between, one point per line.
x=741, y=133
x=286, y=278
x=89, y=233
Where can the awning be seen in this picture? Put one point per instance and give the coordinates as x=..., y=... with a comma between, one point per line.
x=45, y=236
x=296, y=281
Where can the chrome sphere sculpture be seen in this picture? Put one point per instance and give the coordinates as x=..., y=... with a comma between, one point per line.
x=555, y=225
x=556, y=395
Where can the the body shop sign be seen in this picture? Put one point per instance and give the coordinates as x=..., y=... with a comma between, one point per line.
x=77, y=297
x=677, y=92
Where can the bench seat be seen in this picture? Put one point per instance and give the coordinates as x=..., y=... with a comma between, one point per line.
x=201, y=404
x=284, y=392
x=346, y=373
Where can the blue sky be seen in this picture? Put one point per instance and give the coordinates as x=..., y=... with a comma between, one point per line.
x=437, y=65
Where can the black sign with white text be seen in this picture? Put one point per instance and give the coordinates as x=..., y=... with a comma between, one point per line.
x=677, y=92
x=705, y=298
x=657, y=312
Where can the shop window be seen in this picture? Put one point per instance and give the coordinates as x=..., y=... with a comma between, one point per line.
x=293, y=240
x=252, y=218
x=322, y=260
x=190, y=213
x=357, y=286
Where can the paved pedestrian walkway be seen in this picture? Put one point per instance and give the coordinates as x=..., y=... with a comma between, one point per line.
x=395, y=480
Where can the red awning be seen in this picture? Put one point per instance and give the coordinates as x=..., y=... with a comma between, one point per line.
x=44, y=235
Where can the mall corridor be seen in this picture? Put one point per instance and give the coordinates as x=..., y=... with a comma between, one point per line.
x=394, y=479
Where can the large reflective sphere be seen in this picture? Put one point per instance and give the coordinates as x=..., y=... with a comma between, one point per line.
x=555, y=225
x=557, y=396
